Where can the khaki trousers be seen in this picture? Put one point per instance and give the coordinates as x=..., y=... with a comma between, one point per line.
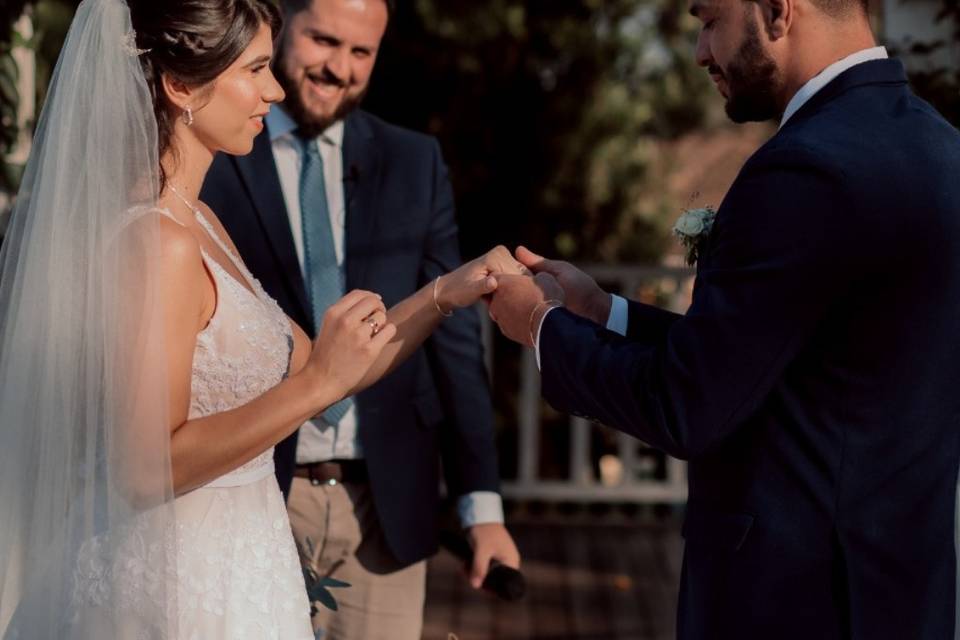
x=338, y=534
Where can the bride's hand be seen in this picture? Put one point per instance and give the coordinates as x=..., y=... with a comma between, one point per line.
x=354, y=332
x=474, y=280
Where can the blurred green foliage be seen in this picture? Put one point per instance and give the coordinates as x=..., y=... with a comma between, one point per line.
x=548, y=112
x=51, y=19
x=551, y=112
x=939, y=85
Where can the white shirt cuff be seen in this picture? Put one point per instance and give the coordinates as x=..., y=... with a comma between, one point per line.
x=480, y=507
x=536, y=344
x=619, y=314
x=616, y=321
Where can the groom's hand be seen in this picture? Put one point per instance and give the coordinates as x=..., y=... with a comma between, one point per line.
x=490, y=541
x=520, y=302
x=583, y=296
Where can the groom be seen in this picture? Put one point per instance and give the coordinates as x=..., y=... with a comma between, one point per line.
x=813, y=383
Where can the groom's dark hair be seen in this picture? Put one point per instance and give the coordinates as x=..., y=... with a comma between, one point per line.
x=193, y=42
x=841, y=9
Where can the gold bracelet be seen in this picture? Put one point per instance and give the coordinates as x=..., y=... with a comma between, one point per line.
x=436, y=302
x=553, y=304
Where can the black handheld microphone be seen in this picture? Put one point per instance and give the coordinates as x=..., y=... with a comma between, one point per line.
x=504, y=582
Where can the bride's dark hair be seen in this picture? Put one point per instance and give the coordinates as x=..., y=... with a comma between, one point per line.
x=193, y=41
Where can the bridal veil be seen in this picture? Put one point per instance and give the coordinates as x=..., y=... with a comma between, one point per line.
x=85, y=481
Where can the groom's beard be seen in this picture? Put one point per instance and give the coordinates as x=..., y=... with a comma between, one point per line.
x=309, y=124
x=751, y=81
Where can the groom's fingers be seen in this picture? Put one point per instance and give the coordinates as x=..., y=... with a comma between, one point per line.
x=528, y=258
x=538, y=263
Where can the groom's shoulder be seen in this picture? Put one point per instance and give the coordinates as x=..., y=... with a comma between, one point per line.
x=793, y=153
x=869, y=129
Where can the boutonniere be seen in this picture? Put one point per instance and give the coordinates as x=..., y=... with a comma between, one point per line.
x=692, y=229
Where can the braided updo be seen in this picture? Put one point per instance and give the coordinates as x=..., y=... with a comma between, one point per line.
x=193, y=41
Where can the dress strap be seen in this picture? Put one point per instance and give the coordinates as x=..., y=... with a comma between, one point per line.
x=234, y=258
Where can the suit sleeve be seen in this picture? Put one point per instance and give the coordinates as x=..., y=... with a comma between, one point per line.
x=645, y=322
x=779, y=256
x=455, y=353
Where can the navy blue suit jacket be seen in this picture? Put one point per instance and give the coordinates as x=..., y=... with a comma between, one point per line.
x=813, y=383
x=401, y=233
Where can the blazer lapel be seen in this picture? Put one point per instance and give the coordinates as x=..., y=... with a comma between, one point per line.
x=259, y=172
x=361, y=171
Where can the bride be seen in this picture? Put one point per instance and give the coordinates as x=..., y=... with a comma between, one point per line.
x=145, y=376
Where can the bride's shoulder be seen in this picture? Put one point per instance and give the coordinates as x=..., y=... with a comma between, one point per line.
x=179, y=247
x=149, y=226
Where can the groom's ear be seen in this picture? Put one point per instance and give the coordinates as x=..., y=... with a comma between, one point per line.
x=778, y=17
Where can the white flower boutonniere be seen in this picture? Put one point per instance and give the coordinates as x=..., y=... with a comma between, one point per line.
x=692, y=228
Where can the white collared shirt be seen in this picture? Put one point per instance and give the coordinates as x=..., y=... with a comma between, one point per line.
x=825, y=77
x=617, y=321
x=318, y=440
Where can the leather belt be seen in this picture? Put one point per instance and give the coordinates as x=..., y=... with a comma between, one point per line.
x=332, y=472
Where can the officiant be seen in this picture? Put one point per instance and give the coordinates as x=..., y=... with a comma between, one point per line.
x=333, y=199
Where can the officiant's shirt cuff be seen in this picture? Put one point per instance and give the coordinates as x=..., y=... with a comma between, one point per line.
x=480, y=507
x=619, y=313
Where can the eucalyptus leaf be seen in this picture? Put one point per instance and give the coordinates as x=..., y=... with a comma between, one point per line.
x=333, y=583
x=325, y=598
x=8, y=67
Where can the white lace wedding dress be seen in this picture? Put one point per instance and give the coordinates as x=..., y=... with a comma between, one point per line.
x=237, y=575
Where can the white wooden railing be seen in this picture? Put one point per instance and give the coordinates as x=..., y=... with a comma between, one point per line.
x=635, y=473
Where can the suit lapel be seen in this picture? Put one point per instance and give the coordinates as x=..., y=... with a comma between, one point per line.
x=259, y=172
x=361, y=170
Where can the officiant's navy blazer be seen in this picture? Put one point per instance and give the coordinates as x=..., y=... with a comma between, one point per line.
x=401, y=233
x=814, y=383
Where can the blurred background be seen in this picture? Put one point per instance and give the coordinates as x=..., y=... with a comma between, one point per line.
x=581, y=128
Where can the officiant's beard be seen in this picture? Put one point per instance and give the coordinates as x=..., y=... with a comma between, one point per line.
x=752, y=81
x=309, y=123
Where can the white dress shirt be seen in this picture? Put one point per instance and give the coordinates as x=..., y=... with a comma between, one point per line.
x=825, y=77
x=319, y=440
x=617, y=321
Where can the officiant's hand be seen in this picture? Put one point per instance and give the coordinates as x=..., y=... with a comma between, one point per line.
x=474, y=280
x=490, y=541
x=521, y=302
x=584, y=296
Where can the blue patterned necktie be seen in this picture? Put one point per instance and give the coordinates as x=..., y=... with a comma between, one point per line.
x=324, y=278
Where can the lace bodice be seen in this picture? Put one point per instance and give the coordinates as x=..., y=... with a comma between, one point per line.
x=243, y=351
